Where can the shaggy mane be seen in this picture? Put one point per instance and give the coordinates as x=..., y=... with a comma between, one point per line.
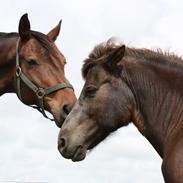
x=102, y=50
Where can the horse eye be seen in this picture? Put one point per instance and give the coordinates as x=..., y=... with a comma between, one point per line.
x=31, y=62
x=90, y=91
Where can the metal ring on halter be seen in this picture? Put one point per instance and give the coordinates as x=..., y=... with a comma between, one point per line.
x=40, y=93
x=18, y=71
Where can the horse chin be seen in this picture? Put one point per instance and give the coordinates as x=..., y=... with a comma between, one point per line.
x=59, y=122
x=58, y=116
x=98, y=140
x=59, y=119
x=79, y=155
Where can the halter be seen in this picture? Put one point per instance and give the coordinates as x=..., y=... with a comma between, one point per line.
x=39, y=91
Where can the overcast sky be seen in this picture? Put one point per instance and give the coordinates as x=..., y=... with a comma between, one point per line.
x=28, y=142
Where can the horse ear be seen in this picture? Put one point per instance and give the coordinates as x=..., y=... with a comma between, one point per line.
x=113, y=60
x=24, y=27
x=53, y=34
x=116, y=55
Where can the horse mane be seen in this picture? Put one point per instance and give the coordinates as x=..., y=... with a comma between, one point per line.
x=102, y=50
x=8, y=35
x=40, y=37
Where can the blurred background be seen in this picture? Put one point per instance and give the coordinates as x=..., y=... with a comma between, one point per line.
x=28, y=141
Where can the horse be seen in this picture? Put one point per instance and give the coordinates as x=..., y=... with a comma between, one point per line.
x=124, y=85
x=32, y=66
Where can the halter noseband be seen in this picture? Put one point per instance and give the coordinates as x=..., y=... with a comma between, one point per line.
x=39, y=91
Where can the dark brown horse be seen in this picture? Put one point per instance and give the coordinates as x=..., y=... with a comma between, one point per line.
x=124, y=85
x=32, y=66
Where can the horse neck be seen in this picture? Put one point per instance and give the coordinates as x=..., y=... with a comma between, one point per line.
x=158, y=92
x=7, y=63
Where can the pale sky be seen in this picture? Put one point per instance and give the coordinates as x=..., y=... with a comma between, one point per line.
x=29, y=142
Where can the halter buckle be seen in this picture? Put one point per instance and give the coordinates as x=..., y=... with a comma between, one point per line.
x=18, y=71
x=40, y=93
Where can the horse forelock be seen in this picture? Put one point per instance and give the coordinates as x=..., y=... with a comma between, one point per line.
x=99, y=53
x=43, y=40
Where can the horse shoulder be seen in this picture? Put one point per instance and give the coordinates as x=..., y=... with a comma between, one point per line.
x=172, y=166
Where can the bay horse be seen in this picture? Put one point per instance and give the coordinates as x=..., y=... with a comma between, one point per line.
x=33, y=67
x=124, y=85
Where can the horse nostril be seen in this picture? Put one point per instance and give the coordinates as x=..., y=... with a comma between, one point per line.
x=67, y=108
x=62, y=143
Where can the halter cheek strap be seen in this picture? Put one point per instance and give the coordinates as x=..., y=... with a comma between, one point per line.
x=39, y=91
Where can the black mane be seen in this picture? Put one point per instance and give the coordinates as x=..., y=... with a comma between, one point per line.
x=8, y=35
x=40, y=37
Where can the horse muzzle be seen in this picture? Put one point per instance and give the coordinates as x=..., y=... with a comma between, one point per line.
x=61, y=114
x=74, y=152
